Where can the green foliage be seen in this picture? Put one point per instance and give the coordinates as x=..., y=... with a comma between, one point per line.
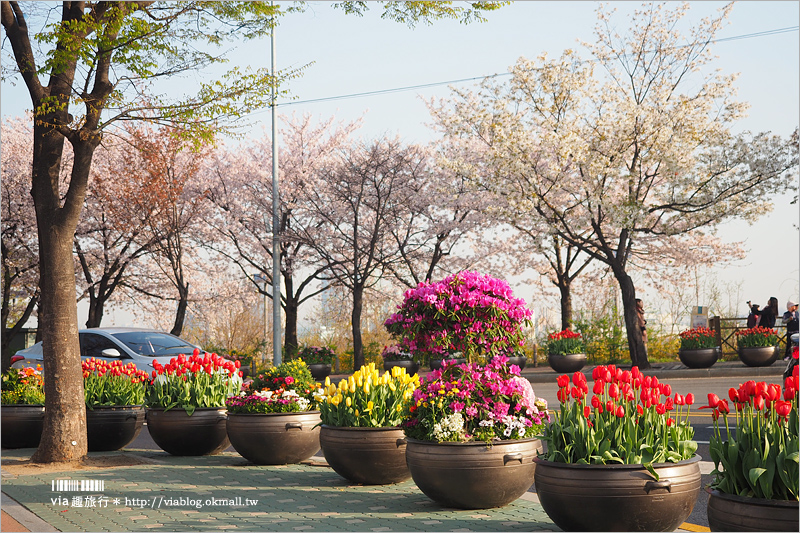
x=605, y=339
x=410, y=13
x=22, y=386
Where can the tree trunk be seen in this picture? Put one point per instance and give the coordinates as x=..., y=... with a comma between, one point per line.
x=290, y=340
x=96, y=305
x=180, y=313
x=638, y=351
x=64, y=431
x=358, y=345
x=564, y=288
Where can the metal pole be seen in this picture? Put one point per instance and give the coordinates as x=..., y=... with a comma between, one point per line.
x=276, y=255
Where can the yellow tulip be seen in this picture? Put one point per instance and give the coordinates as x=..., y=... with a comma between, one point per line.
x=348, y=402
x=352, y=388
x=357, y=413
x=370, y=406
x=327, y=380
x=366, y=387
x=392, y=387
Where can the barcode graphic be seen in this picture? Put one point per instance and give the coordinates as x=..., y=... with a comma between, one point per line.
x=78, y=485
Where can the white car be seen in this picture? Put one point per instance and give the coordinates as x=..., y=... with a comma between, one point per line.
x=140, y=346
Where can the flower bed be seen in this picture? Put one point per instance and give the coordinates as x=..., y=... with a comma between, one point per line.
x=564, y=343
x=317, y=355
x=468, y=402
x=193, y=382
x=757, y=337
x=368, y=398
x=698, y=339
x=23, y=386
x=112, y=383
x=629, y=420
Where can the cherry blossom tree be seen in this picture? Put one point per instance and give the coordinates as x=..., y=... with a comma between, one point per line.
x=20, y=278
x=241, y=193
x=358, y=198
x=621, y=164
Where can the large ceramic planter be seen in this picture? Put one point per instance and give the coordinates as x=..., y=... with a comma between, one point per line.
x=700, y=357
x=21, y=425
x=436, y=364
x=113, y=428
x=473, y=475
x=371, y=456
x=519, y=361
x=319, y=371
x=566, y=364
x=728, y=512
x=410, y=366
x=617, y=497
x=177, y=433
x=275, y=438
x=758, y=355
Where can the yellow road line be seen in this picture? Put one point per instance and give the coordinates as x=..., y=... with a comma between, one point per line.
x=686, y=526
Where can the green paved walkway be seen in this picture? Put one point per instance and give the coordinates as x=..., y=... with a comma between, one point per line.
x=177, y=493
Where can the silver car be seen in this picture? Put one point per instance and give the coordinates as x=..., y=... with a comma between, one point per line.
x=140, y=346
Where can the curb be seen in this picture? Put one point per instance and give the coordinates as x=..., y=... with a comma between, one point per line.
x=21, y=514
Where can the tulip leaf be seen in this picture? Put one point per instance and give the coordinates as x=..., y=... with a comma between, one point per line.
x=649, y=467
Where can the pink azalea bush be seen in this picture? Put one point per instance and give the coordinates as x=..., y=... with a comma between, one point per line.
x=469, y=402
x=467, y=312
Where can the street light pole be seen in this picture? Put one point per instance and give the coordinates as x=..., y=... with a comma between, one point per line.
x=276, y=255
x=262, y=279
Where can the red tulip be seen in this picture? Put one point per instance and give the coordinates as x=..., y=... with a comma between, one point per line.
x=563, y=395
x=758, y=403
x=661, y=409
x=613, y=391
x=620, y=411
x=783, y=408
x=635, y=373
x=586, y=411
x=597, y=403
x=563, y=380
x=733, y=394
x=690, y=399
x=598, y=387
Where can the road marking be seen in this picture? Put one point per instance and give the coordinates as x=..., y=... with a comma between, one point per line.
x=686, y=526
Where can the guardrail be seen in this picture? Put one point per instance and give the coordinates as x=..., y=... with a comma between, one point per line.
x=726, y=328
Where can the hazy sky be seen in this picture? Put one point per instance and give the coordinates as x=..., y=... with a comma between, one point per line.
x=354, y=55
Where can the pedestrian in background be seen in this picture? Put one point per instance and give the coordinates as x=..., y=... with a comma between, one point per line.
x=790, y=318
x=752, y=318
x=769, y=314
x=640, y=319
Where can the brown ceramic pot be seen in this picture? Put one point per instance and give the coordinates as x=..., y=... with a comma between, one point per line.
x=275, y=438
x=371, y=456
x=566, y=364
x=177, y=433
x=700, y=357
x=617, y=497
x=473, y=475
x=113, y=428
x=21, y=425
x=758, y=355
x=728, y=512
x=410, y=366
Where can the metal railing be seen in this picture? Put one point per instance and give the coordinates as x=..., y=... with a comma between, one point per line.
x=726, y=328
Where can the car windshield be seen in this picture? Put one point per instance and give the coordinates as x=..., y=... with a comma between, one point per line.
x=154, y=344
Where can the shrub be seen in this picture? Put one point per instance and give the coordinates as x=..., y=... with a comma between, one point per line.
x=466, y=312
x=289, y=375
